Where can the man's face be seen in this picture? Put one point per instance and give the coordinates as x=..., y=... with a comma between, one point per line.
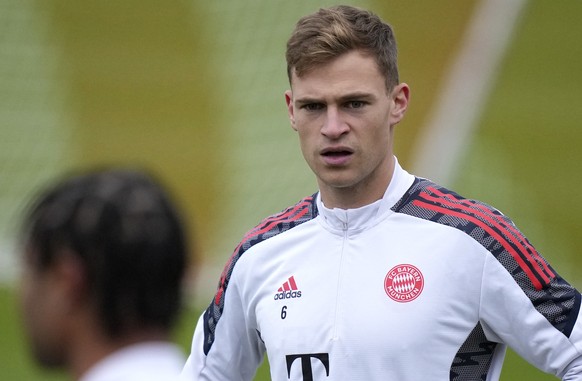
x=344, y=116
x=42, y=308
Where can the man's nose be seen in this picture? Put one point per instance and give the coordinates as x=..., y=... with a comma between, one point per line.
x=333, y=126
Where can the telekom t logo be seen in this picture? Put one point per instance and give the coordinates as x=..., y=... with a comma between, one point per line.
x=306, y=364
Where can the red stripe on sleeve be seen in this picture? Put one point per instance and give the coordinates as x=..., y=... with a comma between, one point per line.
x=266, y=225
x=535, y=281
x=516, y=233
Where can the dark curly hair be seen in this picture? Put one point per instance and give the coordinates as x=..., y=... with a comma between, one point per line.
x=127, y=233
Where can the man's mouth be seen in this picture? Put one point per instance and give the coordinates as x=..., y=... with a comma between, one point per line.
x=336, y=152
x=336, y=156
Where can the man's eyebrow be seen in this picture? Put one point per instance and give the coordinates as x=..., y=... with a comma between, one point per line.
x=307, y=100
x=358, y=95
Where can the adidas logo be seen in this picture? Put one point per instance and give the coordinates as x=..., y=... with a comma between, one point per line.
x=288, y=290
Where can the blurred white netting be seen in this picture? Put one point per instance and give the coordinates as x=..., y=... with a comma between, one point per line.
x=261, y=156
x=33, y=130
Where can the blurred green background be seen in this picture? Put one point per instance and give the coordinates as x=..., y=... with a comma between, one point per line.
x=194, y=91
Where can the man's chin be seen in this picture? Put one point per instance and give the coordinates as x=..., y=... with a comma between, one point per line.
x=49, y=359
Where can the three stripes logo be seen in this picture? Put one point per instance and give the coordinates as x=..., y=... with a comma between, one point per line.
x=288, y=290
x=404, y=283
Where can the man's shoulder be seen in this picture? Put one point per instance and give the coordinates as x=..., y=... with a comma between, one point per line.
x=144, y=361
x=290, y=217
x=428, y=200
x=484, y=224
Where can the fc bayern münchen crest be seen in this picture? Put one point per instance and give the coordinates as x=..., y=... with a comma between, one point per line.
x=404, y=283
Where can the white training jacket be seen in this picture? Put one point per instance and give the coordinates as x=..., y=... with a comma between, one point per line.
x=421, y=285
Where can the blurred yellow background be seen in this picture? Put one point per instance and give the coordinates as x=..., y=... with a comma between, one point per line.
x=194, y=92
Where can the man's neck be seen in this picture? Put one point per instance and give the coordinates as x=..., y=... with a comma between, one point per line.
x=357, y=196
x=94, y=347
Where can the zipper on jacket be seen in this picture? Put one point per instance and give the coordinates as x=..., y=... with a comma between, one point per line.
x=339, y=281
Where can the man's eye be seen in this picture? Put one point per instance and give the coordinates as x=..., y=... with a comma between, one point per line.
x=312, y=106
x=355, y=104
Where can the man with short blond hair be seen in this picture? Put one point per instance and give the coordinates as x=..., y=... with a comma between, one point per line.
x=380, y=275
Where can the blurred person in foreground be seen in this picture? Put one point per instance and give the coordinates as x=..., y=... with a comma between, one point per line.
x=104, y=258
x=380, y=275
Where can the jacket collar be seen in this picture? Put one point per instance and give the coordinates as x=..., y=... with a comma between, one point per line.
x=354, y=220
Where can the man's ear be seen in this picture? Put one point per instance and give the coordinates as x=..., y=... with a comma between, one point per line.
x=71, y=276
x=290, y=108
x=400, y=97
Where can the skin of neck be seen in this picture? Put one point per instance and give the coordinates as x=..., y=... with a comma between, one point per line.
x=358, y=196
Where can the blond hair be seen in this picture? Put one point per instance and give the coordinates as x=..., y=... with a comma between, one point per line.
x=330, y=32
